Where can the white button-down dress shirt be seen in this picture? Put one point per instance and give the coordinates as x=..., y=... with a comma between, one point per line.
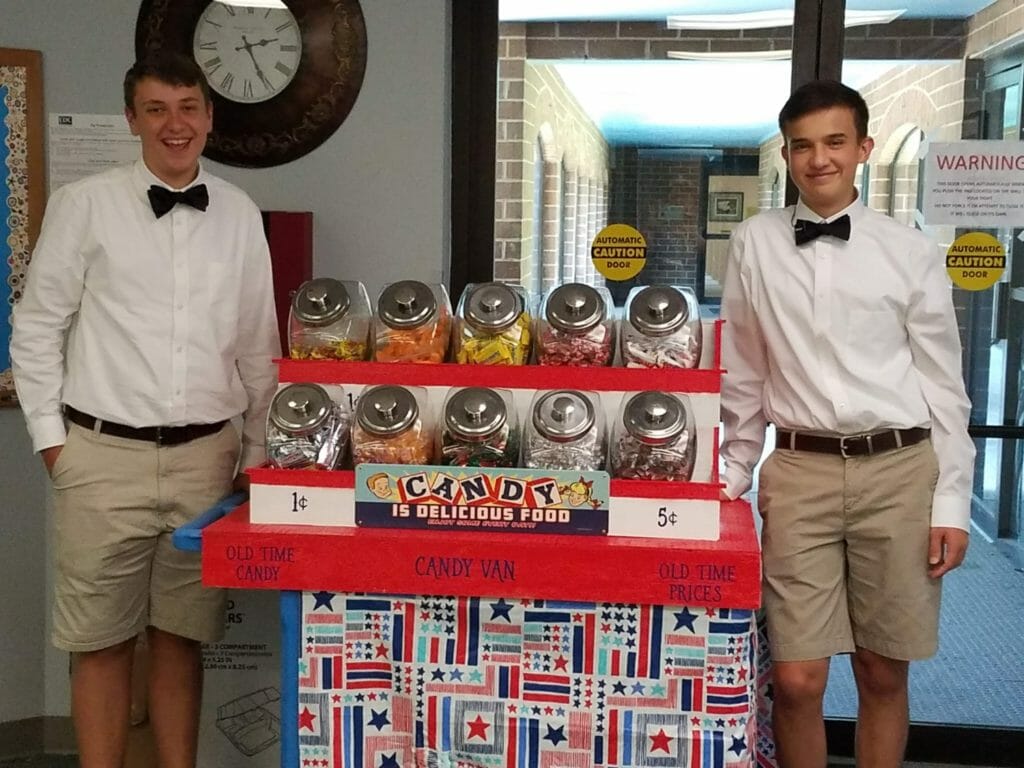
x=145, y=321
x=842, y=338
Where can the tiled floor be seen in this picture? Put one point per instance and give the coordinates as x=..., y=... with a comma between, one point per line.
x=976, y=678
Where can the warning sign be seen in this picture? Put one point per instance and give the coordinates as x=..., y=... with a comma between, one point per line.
x=619, y=252
x=975, y=261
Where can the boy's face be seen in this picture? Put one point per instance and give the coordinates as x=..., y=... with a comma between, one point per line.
x=822, y=150
x=173, y=122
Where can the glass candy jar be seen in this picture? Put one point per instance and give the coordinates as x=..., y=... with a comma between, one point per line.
x=390, y=427
x=566, y=431
x=492, y=325
x=307, y=427
x=480, y=429
x=662, y=328
x=413, y=323
x=329, y=320
x=654, y=438
x=575, y=327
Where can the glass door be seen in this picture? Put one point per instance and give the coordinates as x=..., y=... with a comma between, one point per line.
x=957, y=76
x=577, y=146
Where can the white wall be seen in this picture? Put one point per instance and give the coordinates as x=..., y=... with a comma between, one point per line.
x=379, y=190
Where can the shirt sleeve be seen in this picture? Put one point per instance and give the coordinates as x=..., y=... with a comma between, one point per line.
x=744, y=359
x=935, y=346
x=258, y=344
x=51, y=298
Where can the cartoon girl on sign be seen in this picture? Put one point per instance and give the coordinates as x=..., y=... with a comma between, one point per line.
x=577, y=494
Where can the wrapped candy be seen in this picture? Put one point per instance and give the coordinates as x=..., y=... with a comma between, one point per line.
x=307, y=427
x=654, y=438
x=391, y=427
x=413, y=323
x=566, y=431
x=480, y=429
x=575, y=327
x=329, y=320
x=492, y=326
x=662, y=328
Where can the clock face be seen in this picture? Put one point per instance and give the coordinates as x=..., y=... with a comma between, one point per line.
x=248, y=54
x=311, y=54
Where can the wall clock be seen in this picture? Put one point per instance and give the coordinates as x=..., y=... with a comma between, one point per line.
x=283, y=78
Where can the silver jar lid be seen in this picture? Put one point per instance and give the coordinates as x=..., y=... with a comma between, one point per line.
x=300, y=408
x=492, y=307
x=658, y=310
x=475, y=413
x=321, y=301
x=654, y=417
x=406, y=304
x=563, y=415
x=575, y=307
x=387, y=410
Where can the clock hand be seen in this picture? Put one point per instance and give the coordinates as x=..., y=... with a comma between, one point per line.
x=265, y=42
x=259, y=72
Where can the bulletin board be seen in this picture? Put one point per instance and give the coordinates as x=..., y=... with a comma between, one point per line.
x=22, y=187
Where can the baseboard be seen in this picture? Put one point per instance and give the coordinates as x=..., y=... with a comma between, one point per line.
x=19, y=738
x=59, y=736
x=36, y=736
x=949, y=744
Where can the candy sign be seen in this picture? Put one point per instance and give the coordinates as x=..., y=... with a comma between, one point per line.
x=481, y=499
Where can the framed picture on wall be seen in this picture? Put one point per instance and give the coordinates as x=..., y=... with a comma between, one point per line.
x=725, y=206
x=21, y=186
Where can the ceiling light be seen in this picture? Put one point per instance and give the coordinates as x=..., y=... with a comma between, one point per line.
x=767, y=19
x=254, y=3
x=731, y=55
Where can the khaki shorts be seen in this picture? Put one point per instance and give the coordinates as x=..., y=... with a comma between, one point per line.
x=117, y=503
x=845, y=552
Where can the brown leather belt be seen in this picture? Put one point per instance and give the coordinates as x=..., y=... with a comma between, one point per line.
x=851, y=445
x=158, y=435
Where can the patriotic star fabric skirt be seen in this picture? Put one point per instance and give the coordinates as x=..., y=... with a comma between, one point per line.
x=411, y=682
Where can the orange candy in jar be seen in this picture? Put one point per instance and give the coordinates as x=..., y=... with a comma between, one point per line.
x=391, y=426
x=412, y=324
x=329, y=320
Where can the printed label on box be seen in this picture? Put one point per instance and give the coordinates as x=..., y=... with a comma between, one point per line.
x=485, y=499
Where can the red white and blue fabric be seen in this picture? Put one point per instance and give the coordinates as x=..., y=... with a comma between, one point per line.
x=404, y=682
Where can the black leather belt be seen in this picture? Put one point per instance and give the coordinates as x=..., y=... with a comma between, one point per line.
x=158, y=435
x=851, y=445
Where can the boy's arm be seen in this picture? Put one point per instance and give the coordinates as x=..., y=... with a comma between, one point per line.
x=51, y=298
x=258, y=344
x=746, y=367
x=935, y=346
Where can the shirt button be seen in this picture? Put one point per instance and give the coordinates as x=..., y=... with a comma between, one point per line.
x=180, y=307
x=180, y=348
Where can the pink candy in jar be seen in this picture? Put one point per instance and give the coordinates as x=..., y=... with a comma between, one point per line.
x=575, y=327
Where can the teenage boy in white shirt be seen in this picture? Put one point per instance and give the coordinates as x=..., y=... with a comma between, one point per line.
x=147, y=323
x=840, y=331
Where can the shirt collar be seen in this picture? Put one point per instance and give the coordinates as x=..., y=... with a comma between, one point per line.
x=853, y=210
x=145, y=178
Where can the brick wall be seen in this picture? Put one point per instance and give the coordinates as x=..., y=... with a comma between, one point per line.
x=535, y=108
x=903, y=38
x=659, y=193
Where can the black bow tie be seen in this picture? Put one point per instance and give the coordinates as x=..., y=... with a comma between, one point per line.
x=163, y=199
x=806, y=231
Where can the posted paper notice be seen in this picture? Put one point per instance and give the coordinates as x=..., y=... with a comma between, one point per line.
x=81, y=145
x=975, y=184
